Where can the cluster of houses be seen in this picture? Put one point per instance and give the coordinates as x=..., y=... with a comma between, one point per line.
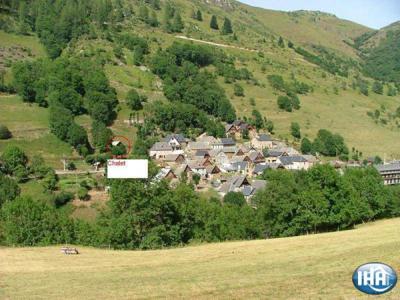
x=224, y=164
x=390, y=172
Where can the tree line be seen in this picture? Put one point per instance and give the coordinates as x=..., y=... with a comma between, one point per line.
x=148, y=215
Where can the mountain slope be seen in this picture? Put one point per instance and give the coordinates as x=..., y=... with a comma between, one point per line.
x=336, y=102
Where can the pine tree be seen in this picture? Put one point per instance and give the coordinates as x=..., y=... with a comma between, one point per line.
x=177, y=24
x=281, y=43
x=214, y=23
x=199, y=15
x=227, y=27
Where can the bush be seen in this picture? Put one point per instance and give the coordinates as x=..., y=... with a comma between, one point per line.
x=234, y=198
x=238, y=90
x=83, y=194
x=4, y=133
x=62, y=199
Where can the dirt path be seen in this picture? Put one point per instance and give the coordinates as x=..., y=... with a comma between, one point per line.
x=214, y=44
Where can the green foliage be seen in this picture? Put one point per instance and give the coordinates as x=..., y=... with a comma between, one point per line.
x=134, y=100
x=5, y=133
x=83, y=194
x=9, y=189
x=227, y=26
x=62, y=198
x=383, y=61
x=377, y=88
x=320, y=199
x=26, y=222
x=238, y=90
x=214, y=22
x=329, y=144
x=234, y=198
x=101, y=135
x=295, y=130
x=185, y=82
x=281, y=43
x=288, y=103
x=13, y=158
x=328, y=61
x=196, y=178
x=306, y=146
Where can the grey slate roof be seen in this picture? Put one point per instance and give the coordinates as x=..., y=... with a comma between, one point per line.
x=179, y=137
x=201, y=153
x=275, y=153
x=288, y=160
x=228, y=142
x=392, y=167
x=264, y=138
x=240, y=166
x=161, y=146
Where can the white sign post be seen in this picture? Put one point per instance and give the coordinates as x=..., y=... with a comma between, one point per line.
x=127, y=169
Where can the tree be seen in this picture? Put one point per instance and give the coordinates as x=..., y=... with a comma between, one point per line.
x=199, y=15
x=306, y=146
x=177, y=23
x=60, y=120
x=290, y=44
x=27, y=222
x=238, y=90
x=23, y=18
x=285, y=103
x=234, y=198
x=258, y=120
x=13, y=157
x=38, y=167
x=227, y=26
x=5, y=133
x=281, y=43
x=134, y=100
x=295, y=130
x=377, y=88
x=9, y=189
x=214, y=22
x=196, y=178
x=77, y=136
x=101, y=135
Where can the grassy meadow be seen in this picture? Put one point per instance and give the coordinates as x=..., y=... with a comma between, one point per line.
x=306, y=267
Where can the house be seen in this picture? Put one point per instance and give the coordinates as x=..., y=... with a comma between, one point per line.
x=174, y=158
x=390, y=173
x=256, y=185
x=234, y=184
x=219, y=157
x=227, y=142
x=195, y=146
x=294, y=162
x=256, y=157
x=238, y=128
x=202, y=154
x=177, y=141
x=240, y=167
x=273, y=155
x=161, y=149
x=197, y=167
x=211, y=171
x=165, y=173
x=260, y=168
x=229, y=151
x=208, y=139
x=262, y=141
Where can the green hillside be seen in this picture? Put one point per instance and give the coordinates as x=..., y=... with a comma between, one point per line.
x=336, y=102
x=308, y=267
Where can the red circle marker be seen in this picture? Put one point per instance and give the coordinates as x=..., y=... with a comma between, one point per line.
x=119, y=138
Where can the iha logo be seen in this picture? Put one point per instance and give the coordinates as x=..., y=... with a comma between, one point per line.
x=374, y=278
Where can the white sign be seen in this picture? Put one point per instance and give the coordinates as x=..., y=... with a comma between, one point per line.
x=127, y=168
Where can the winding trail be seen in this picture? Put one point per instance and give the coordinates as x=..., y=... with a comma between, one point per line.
x=213, y=44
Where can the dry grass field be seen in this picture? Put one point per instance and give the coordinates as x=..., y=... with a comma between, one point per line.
x=307, y=267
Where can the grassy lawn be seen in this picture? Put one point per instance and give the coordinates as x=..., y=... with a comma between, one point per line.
x=307, y=267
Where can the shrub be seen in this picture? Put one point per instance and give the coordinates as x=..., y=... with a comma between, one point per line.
x=4, y=133
x=83, y=194
x=238, y=90
x=62, y=199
